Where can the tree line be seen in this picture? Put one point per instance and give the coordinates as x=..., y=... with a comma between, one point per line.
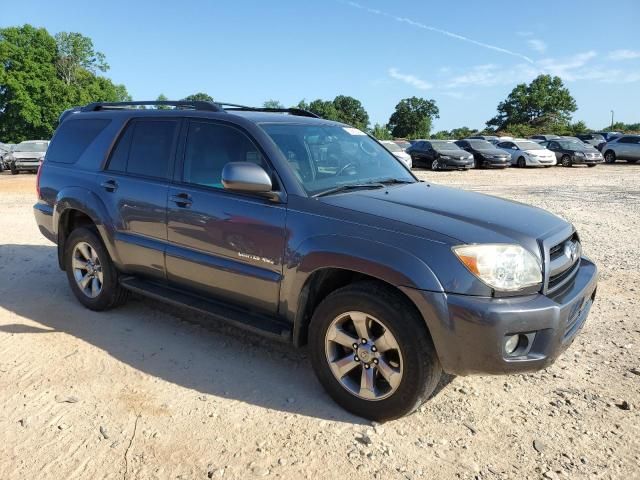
x=41, y=75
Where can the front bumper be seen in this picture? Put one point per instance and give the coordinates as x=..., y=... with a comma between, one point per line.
x=496, y=162
x=454, y=164
x=469, y=332
x=540, y=162
x=586, y=161
x=26, y=165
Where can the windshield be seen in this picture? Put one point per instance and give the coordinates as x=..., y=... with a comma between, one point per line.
x=529, y=146
x=392, y=147
x=31, y=147
x=481, y=145
x=324, y=157
x=444, y=145
x=571, y=144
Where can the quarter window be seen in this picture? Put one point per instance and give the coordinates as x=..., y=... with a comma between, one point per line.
x=210, y=146
x=72, y=139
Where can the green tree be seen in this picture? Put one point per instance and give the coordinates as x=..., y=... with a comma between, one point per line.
x=323, y=108
x=199, y=97
x=381, y=132
x=463, y=132
x=273, y=104
x=350, y=111
x=33, y=89
x=544, y=103
x=76, y=53
x=441, y=135
x=412, y=118
x=162, y=98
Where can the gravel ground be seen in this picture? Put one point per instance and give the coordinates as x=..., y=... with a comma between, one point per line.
x=145, y=391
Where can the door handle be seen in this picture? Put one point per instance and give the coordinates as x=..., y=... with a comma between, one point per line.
x=181, y=199
x=109, y=185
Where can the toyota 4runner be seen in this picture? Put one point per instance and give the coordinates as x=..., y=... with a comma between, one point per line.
x=310, y=231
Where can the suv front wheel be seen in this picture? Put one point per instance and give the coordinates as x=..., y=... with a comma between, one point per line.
x=372, y=352
x=91, y=274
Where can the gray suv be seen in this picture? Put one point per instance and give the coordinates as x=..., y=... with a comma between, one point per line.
x=626, y=147
x=311, y=232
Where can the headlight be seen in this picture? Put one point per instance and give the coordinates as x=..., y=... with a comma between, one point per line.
x=501, y=266
x=445, y=157
x=578, y=154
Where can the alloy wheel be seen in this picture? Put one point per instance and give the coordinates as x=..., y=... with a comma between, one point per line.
x=435, y=165
x=364, y=356
x=87, y=269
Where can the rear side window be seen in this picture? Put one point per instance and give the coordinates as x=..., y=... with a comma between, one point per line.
x=145, y=148
x=72, y=139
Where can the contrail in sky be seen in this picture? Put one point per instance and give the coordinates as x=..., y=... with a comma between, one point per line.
x=416, y=24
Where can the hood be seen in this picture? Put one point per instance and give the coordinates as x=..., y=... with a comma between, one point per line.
x=35, y=155
x=493, y=151
x=454, y=153
x=465, y=217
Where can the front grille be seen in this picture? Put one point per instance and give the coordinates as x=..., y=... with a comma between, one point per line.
x=561, y=267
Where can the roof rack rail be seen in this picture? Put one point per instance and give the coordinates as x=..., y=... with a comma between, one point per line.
x=195, y=104
x=300, y=112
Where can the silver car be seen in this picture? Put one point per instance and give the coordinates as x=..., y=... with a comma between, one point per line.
x=626, y=147
x=26, y=156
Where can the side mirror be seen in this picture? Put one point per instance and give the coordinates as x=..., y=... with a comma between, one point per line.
x=245, y=177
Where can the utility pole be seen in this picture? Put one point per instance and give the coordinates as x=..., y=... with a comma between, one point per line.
x=611, y=119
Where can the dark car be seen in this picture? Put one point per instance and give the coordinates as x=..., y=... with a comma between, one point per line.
x=311, y=232
x=594, y=139
x=440, y=155
x=543, y=137
x=574, y=152
x=488, y=138
x=485, y=154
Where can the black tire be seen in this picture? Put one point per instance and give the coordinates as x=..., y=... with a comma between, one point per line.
x=421, y=367
x=632, y=161
x=14, y=171
x=112, y=294
x=566, y=161
x=610, y=156
x=522, y=163
x=591, y=165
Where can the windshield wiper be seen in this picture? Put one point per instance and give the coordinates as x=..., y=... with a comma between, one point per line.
x=352, y=186
x=392, y=181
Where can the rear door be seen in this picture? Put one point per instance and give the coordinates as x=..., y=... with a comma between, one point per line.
x=134, y=186
x=226, y=245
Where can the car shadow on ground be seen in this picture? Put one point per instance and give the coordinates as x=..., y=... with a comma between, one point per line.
x=177, y=346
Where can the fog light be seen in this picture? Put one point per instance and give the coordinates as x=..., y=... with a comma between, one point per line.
x=511, y=344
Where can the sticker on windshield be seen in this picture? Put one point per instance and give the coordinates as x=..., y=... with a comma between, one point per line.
x=353, y=131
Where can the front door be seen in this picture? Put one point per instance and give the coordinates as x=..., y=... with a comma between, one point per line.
x=226, y=245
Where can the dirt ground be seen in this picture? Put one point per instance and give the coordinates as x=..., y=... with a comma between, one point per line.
x=146, y=391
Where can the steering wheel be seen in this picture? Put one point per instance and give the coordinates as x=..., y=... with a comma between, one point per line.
x=344, y=169
x=368, y=149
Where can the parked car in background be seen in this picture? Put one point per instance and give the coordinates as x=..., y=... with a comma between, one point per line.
x=485, y=154
x=4, y=150
x=389, y=280
x=608, y=136
x=527, y=153
x=26, y=156
x=625, y=147
x=440, y=155
x=497, y=140
x=403, y=144
x=398, y=152
x=594, y=139
x=487, y=138
x=543, y=137
x=570, y=152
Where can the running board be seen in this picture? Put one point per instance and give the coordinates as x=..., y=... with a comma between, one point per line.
x=254, y=322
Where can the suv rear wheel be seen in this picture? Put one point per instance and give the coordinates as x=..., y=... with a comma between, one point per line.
x=91, y=274
x=372, y=353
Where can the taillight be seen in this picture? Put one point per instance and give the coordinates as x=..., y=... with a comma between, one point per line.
x=38, y=178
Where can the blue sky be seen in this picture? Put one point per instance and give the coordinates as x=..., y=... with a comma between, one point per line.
x=467, y=55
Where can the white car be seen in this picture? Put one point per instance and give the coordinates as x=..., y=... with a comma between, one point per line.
x=398, y=152
x=527, y=153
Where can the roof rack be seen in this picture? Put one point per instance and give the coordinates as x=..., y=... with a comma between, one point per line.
x=195, y=104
